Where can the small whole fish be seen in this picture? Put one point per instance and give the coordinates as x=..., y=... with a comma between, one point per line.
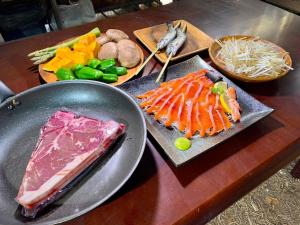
x=169, y=36
x=177, y=43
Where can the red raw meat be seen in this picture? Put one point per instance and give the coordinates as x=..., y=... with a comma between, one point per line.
x=67, y=145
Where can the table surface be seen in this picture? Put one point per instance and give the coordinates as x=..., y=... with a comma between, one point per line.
x=158, y=192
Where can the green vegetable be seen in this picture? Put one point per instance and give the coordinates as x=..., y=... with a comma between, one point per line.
x=93, y=63
x=219, y=88
x=43, y=55
x=89, y=73
x=121, y=70
x=183, y=143
x=77, y=67
x=65, y=74
x=214, y=90
x=109, y=78
x=106, y=63
x=111, y=70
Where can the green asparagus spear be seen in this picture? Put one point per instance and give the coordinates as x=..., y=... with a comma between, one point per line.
x=43, y=59
x=48, y=55
x=70, y=43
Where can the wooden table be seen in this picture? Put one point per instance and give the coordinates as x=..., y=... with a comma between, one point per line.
x=159, y=193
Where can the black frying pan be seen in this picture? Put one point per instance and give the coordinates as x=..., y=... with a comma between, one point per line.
x=22, y=116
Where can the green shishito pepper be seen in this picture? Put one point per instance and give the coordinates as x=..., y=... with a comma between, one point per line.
x=77, y=67
x=94, y=63
x=65, y=74
x=106, y=63
x=89, y=73
x=119, y=70
x=109, y=78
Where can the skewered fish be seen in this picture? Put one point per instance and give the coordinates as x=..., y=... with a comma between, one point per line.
x=177, y=43
x=163, y=42
x=172, y=48
x=169, y=36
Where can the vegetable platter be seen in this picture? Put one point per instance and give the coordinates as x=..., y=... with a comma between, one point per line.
x=107, y=57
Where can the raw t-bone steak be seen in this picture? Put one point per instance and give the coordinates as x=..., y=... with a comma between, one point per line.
x=67, y=145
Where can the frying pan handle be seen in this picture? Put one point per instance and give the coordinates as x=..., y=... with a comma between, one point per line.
x=5, y=92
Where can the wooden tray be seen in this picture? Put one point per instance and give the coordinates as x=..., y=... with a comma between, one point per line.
x=197, y=40
x=215, y=47
x=50, y=77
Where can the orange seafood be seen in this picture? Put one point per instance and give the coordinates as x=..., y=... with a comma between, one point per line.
x=234, y=104
x=189, y=104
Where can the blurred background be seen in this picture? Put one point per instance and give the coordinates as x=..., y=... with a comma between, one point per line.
x=23, y=18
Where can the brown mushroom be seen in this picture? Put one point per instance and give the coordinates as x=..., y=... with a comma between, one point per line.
x=128, y=53
x=108, y=51
x=103, y=39
x=116, y=35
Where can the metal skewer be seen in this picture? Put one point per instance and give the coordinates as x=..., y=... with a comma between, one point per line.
x=164, y=68
x=152, y=54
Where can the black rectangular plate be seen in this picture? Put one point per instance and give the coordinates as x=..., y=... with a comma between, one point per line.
x=253, y=110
